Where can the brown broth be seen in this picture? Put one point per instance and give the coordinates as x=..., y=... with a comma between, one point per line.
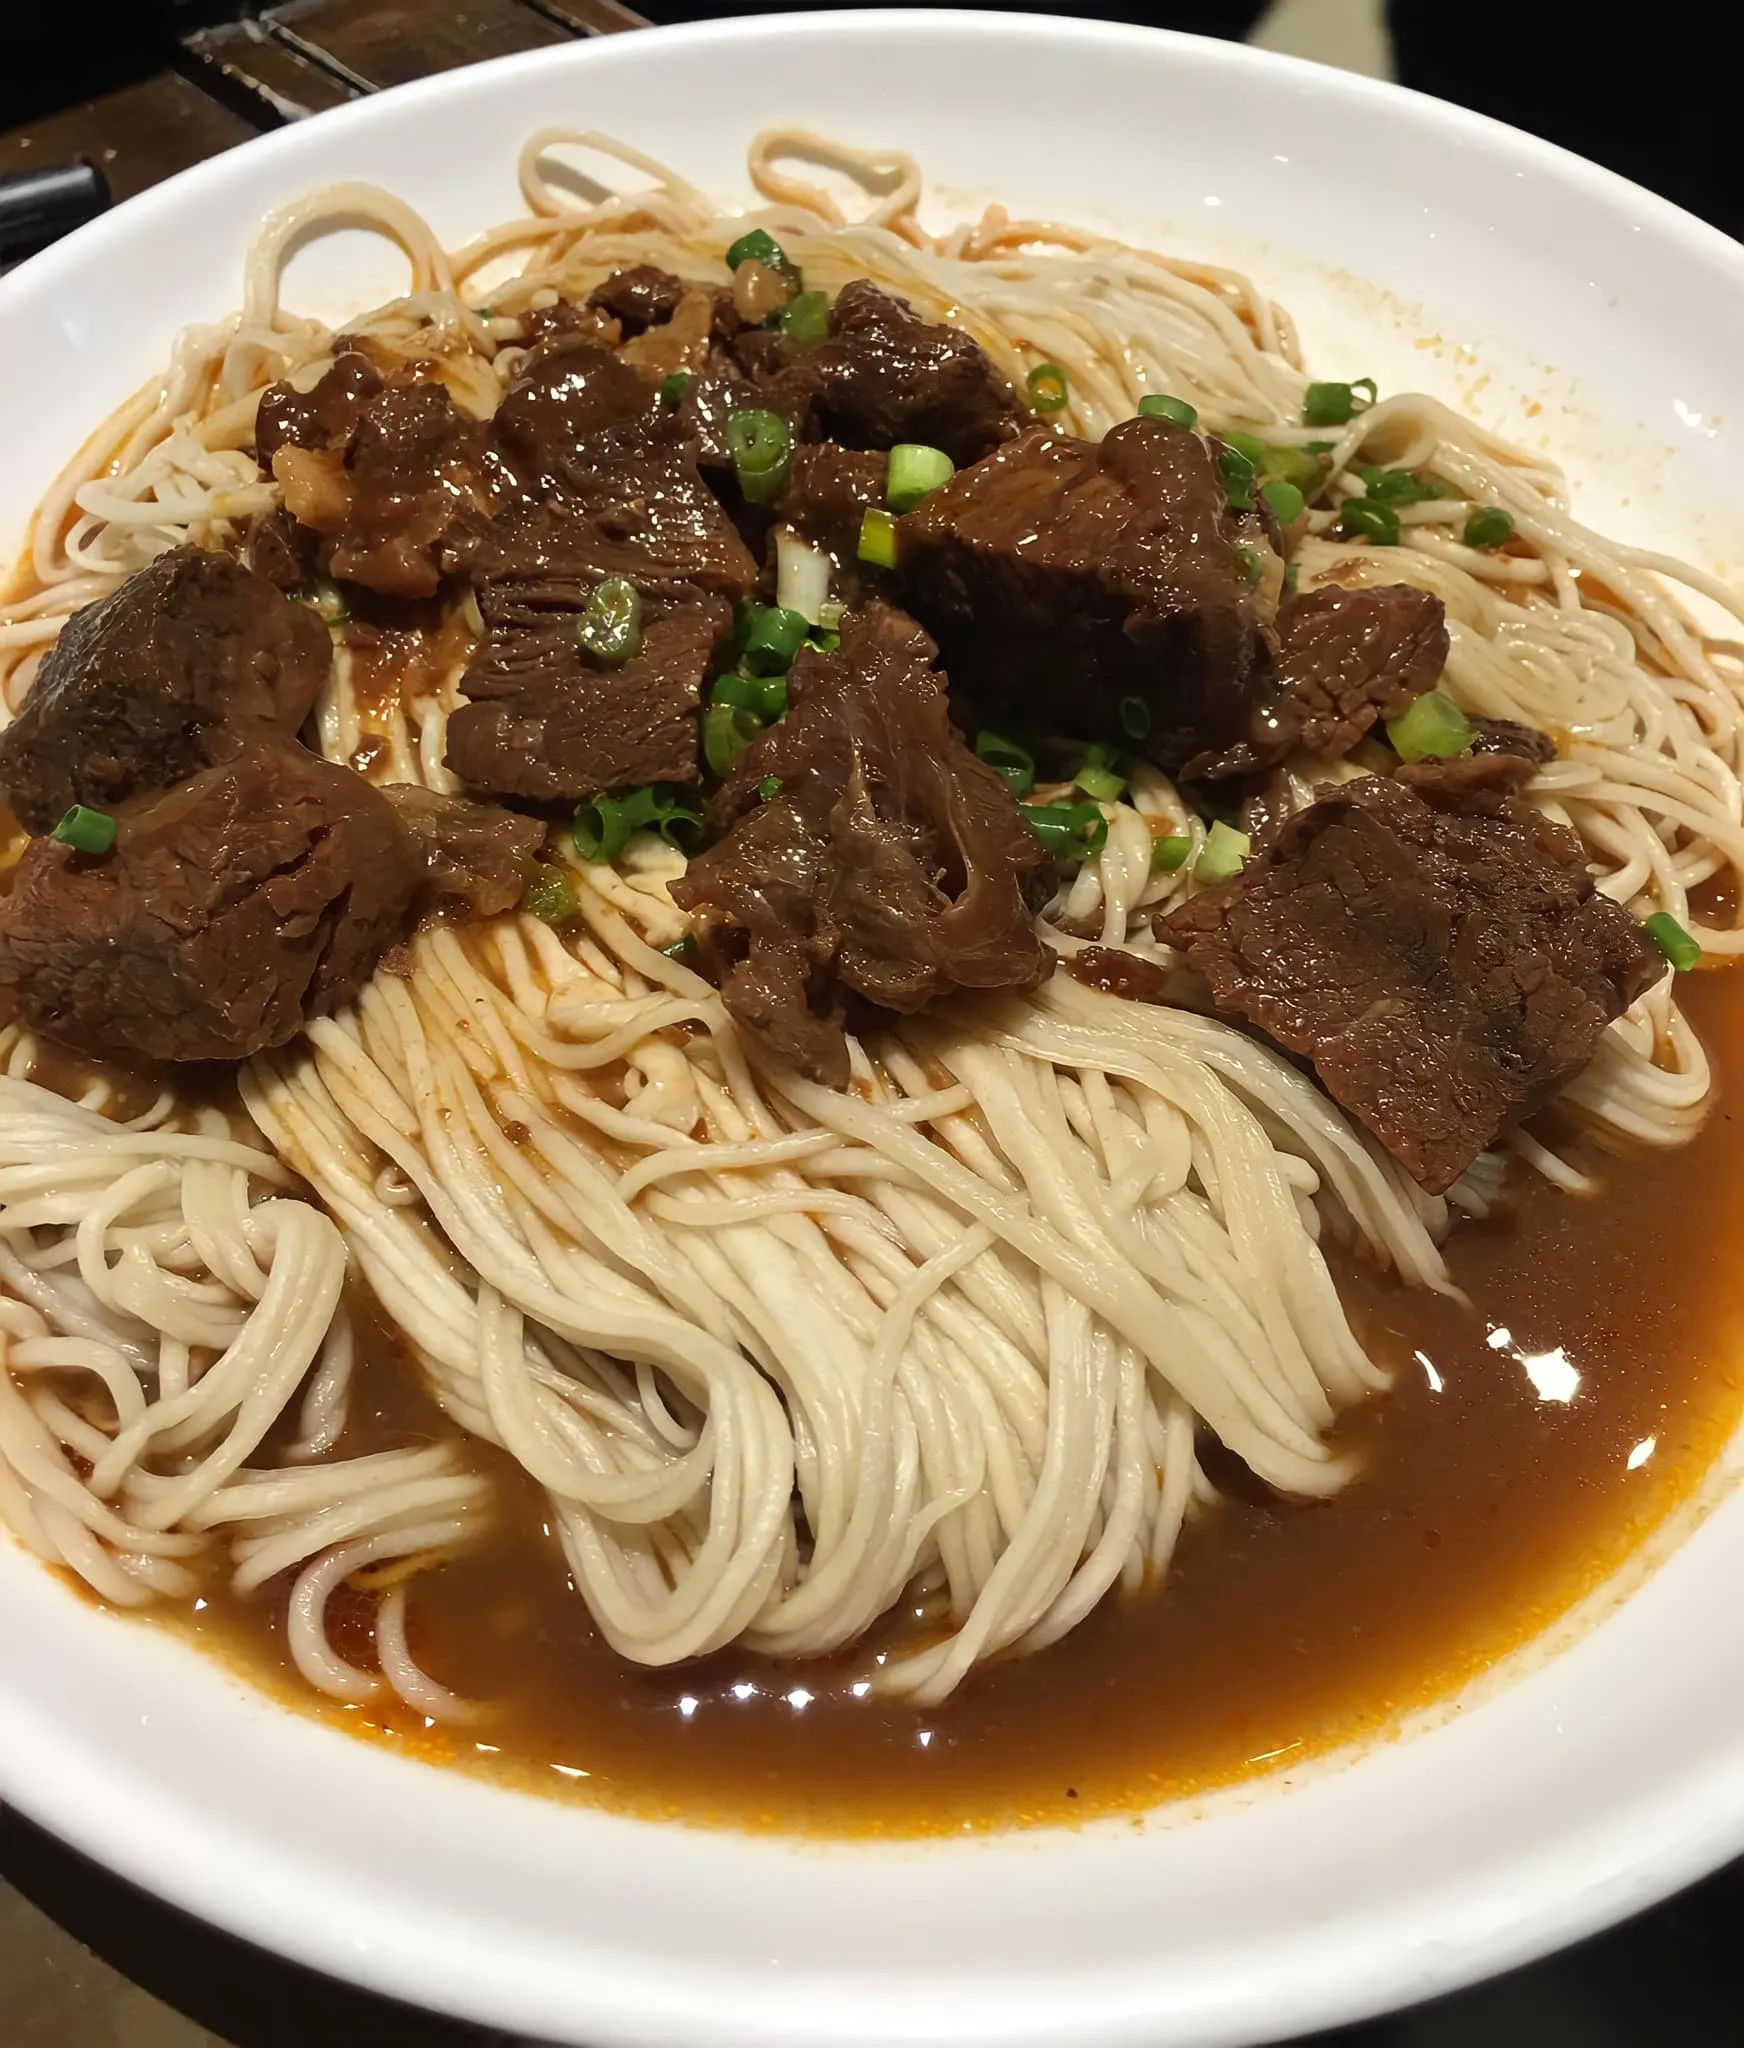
x=1483, y=1512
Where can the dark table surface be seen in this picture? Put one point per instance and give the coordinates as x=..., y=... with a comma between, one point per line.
x=86, y=1961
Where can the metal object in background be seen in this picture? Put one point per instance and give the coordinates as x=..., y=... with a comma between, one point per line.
x=39, y=206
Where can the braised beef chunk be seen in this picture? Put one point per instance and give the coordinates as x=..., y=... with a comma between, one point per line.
x=638, y=298
x=389, y=475
x=1508, y=736
x=232, y=909
x=1445, y=973
x=1062, y=577
x=477, y=858
x=1119, y=973
x=565, y=394
x=189, y=657
x=545, y=725
x=884, y=375
x=1482, y=784
x=1350, y=657
x=285, y=553
x=829, y=492
x=891, y=865
x=641, y=512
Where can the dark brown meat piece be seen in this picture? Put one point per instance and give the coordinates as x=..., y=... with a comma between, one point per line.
x=191, y=656
x=638, y=298
x=389, y=475
x=478, y=858
x=245, y=901
x=829, y=492
x=1062, y=576
x=1350, y=657
x=544, y=725
x=642, y=511
x=286, y=554
x=1480, y=784
x=1445, y=973
x=566, y=394
x=1508, y=736
x=1119, y=974
x=884, y=375
x=892, y=865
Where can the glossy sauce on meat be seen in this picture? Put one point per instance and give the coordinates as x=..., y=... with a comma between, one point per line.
x=1487, y=1506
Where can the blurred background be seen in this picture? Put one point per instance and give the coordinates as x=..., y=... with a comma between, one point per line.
x=101, y=98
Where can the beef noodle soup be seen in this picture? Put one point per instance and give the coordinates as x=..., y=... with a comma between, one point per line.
x=832, y=1026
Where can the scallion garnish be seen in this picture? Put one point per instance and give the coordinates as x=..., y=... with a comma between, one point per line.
x=1292, y=578
x=772, y=638
x=1135, y=718
x=769, y=786
x=550, y=895
x=805, y=320
x=603, y=827
x=1047, y=388
x=1072, y=833
x=1302, y=467
x=1250, y=564
x=726, y=733
x=915, y=471
x=1012, y=763
x=673, y=388
x=1238, y=478
x=1336, y=405
x=1170, y=853
x=1222, y=855
x=762, y=450
x=1679, y=947
x=831, y=613
x=1433, y=729
x=1287, y=503
x=758, y=245
x=1363, y=519
x=1098, y=777
x=1399, y=486
x=878, y=539
x=86, y=831
x=1488, y=527
x=1158, y=405
x=764, y=697
x=611, y=627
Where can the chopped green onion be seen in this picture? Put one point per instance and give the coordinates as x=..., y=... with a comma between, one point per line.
x=726, y=733
x=1336, y=405
x=1399, y=486
x=1047, y=388
x=1135, y=718
x=1250, y=564
x=1101, y=774
x=1292, y=577
x=764, y=697
x=1433, y=729
x=1488, y=527
x=603, y=827
x=762, y=450
x=769, y=786
x=1170, y=853
x=1683, y=951
x=772, y=638
x=878, y=539
x=757, y=245
x=1158, y=405
x=831, y=613
x=1008, y=760
x=1072, y=833
x=86, y=831
x=1363, y=519
x=1222, y=855
x=328, y=602
x=550, y=895
x=825, y=639
x=1238, y=478
x=915, y=472
x=1299, y=466
x=611, y=627
x=805, y=320
x=680, y=949
x=673, y=388
x=1286, y=501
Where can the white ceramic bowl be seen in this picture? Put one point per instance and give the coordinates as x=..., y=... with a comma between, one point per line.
x=1596, y=1781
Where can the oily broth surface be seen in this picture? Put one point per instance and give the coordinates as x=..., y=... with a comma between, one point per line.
x=1498, y=1488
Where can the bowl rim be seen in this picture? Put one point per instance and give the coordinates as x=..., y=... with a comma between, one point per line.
x=93, y=1806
